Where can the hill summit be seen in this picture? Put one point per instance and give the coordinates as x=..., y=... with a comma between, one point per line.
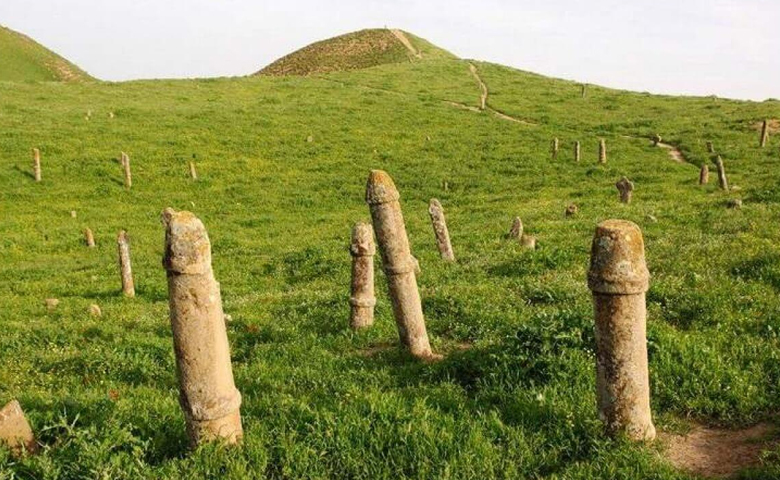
x=353, y=51
x=24, y=59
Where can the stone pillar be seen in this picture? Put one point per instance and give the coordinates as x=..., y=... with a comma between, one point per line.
x=440, y=230
x=362, y=298
x=764, y=134
x=555, y=147
x=584, y=90
x=207, y=393
x=626, y=187
x=125, y=269
x=618, y=278
x=193, y=172
x=710, y=148
x=15, y=431
x=89, y=238
x=602, y=151
x=36, y=164
x=576, y=151
x=516, y=232
x=722, y=180
x=704, y=174
x=382, y=198
x=126, y=169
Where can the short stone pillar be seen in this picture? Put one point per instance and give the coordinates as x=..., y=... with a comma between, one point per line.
x=722, y=180
x=15, y=431
x=704, y=174
x=764, y=134
x=656, y=140
x=89, y=238
x=602, y=151
x=362, y=299
x=710, y=148
x=125, y=269
x=126, y=169
x=555, y=147
x=618, y=278
x=193, y=172
x=36, y=154
x=583, y=90
x=626, y=188
x=208, y=395
x=382, y=198
x=439, y=223
x=577, y=151
x=516, y=231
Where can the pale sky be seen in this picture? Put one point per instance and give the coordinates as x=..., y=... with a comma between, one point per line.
x=730, y=48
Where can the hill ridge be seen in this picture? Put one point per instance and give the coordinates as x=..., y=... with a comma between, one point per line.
x=24, y=59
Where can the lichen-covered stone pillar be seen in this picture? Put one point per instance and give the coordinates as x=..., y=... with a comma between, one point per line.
x=618, y=278
x=764, y=134
x=36, y=164
x=362, y=299
x=382, y=198
x=125, y=268
x=516, y=231
x=126, y=169
x=602, y=151
x=722, y=180
x=626, y=188
x=193, y=172
x=440, y=230
x=89, y=238
x=15, y=431
x=577, y=151
x=710, y=148
x=704, y=174
x=554, y=148
x=207, y=392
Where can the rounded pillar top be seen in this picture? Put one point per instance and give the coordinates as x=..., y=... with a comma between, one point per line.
x=187, y=246
x=617, y=259
x=362, y=240
x=380, y=188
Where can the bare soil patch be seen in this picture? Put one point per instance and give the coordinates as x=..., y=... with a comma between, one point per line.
x=773, y=125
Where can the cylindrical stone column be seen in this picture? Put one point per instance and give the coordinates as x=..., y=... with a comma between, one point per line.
x=362, y=299
x=576, y=151
x=618, y=278
x=764, y=134
x=440, y=230
x=626, y=189
x=602, y=151
x=704, y=174
x=554, y=148
x=36, y=154
x=89, y=238
x=193, y=172
x=207, y=392
x=126, y=169
x=382, y=199
x=722, y=180
x=125, y=269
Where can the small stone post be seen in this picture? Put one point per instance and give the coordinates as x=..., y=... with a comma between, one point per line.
x=555, y=147
x=362, y=298
x=126, y=168
x=36, y=164
x=602, y=151
x=656, y=140
x=15, y=431
x=625, y=187
x=382, y=198
x=440, y=230
x=704, y=174
x=764, y=133
x=722, y=180
x=516, y=232
x=89, y=238
x=123, y=243
x=207, y=392
x=576, y=151
x=710, y=148
x=618, y=278
x=193, y=172
x=583, y=90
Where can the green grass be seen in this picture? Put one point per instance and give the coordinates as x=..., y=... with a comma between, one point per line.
x=519, y=403
x=22, y=59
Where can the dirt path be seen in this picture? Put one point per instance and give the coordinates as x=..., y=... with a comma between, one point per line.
x=403, y=39
x=674, y=152
x=482, y=87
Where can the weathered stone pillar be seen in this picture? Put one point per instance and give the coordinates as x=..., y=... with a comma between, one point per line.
x=362, y=298
x=193, y=172
x=704, y=174
x=602, y=151
x=126, y=169
x=516, y=231
x=584, y=90
x=576, y=151
x=625, y=187
x=555, y=147
x=382, y=198
x=440, y=230
x=764, y=134
x=89, y=238
x=618, y=278
x=15, y=431
x=36, y=164
x=722, y=180
x=208, y=395
x=710, y=148
x=125, y=269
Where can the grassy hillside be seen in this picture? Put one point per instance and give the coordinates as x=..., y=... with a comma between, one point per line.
x=23, y=59
x=514, y=396
x=353, y=51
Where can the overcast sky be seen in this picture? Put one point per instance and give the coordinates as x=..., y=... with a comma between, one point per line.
x=730, y=48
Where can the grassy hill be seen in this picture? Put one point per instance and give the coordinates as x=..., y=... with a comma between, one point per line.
x=23, y=59
x=514, y=396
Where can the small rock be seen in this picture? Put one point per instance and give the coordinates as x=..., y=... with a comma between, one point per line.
x=228, y=318
x=95, y=311
x=572, y=209
x=72, y=214
x=51, y=304
x=528, y=241
x=310, y=138
x=15, y=431
x=651, y=218
x=110, y=114
x=734, y=203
